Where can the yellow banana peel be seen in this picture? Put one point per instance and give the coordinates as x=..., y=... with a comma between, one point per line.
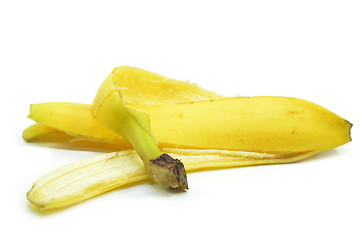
x=204, y=129
x=253, y=124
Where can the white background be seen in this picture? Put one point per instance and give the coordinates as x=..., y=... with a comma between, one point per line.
x=63, y=50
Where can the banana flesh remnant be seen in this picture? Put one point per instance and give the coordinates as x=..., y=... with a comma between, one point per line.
x=86, y=178
x=204, y=129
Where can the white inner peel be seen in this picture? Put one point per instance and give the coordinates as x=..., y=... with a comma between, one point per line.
x=92, y=176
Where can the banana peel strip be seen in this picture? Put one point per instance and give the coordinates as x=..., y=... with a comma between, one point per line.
x=93, y=176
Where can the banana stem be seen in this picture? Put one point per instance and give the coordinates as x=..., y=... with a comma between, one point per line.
x=110, y=110
x=142, y=141
x=164, y=169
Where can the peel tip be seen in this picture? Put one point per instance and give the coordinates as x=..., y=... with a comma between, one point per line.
x=350, y=130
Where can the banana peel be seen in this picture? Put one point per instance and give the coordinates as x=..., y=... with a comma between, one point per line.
x=252, y=124
x=204, y=129
x=93, y=176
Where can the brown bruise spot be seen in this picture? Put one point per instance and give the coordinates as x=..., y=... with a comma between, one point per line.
x=293, y=112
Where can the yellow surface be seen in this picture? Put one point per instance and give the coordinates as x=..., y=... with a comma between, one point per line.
x=261, y=124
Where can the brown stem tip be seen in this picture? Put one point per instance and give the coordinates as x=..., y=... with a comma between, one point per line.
x=169, y=172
